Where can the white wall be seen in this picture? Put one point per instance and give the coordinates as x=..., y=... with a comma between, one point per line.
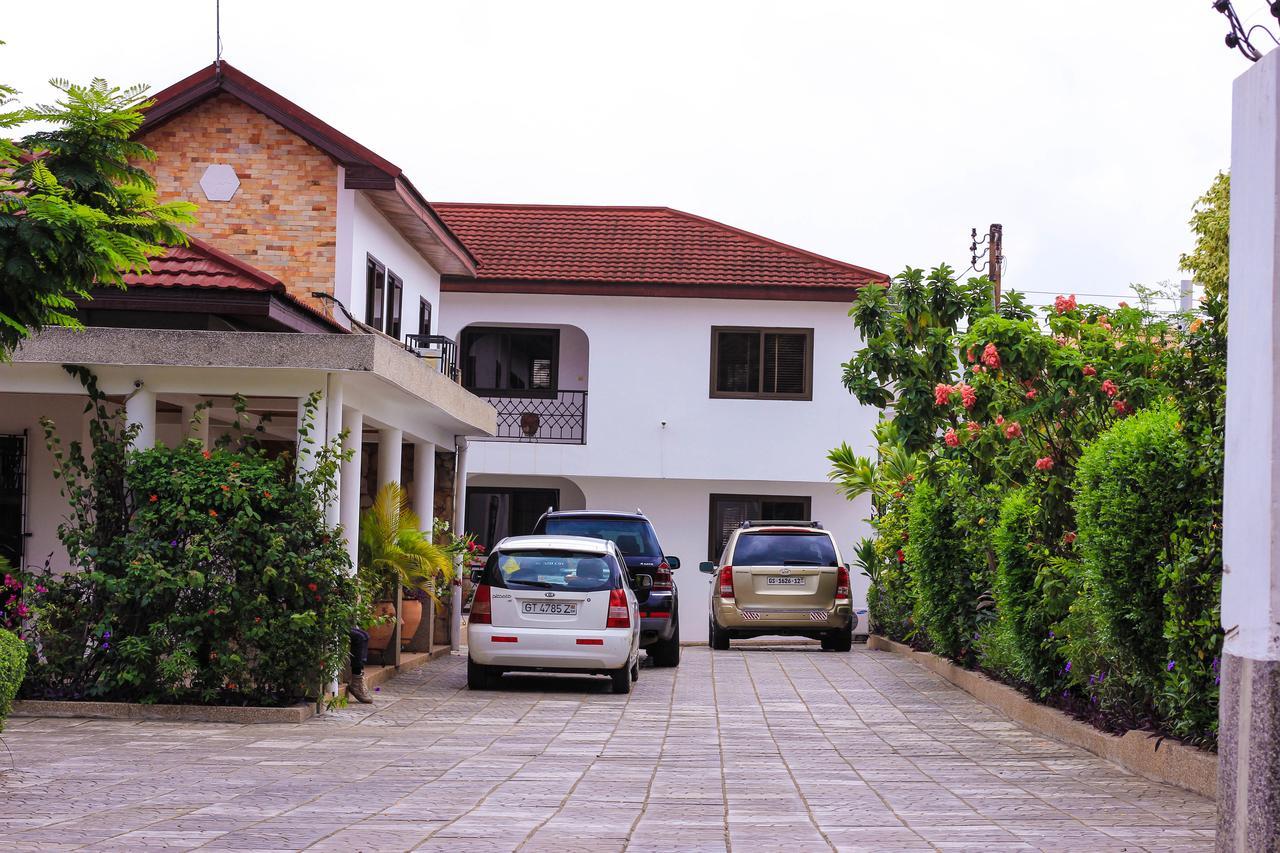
x=363, y=231
x=650, y=362
x=680, y=512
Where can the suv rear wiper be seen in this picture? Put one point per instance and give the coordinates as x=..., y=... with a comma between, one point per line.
x=802, y=563
x=540, y=584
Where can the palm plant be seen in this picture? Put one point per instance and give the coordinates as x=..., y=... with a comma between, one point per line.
x=855, y=475
x=393, y=547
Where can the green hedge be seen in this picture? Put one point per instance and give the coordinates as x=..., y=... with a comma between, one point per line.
x=1131, y=486
x=1028, y=613
x=13, y=666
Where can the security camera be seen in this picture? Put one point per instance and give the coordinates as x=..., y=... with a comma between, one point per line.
x=137, y=383
x=664, y=424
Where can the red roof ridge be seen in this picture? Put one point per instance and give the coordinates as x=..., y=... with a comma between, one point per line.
x=500, y=205
x=266, y=279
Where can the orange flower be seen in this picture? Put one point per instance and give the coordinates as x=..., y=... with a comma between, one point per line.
x=206, y=454
x=266, y=495
x=155, y=498
x=225, y=487
x=213, y=513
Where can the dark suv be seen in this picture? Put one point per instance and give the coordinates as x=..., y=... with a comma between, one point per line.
x=634, y=536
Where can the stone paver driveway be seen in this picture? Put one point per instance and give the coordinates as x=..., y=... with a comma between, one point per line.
x=759, y=748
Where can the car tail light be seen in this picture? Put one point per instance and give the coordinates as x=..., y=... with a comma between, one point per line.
x=842, y=584
x=619, y=612
x=726, y=582
x=482, y=606
x=662, y=577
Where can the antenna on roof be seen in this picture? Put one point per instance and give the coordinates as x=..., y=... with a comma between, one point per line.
x=217, y=31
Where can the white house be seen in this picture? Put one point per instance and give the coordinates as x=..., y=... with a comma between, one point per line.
x=648, y=358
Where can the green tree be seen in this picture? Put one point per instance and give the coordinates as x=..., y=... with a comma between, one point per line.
x=76, y=209
x=1211, y=222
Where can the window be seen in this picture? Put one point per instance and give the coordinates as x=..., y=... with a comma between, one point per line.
x=375, y=293
x=633, y=536
x=563, y=571
x=395, y=297
x=13, y=498
x=510, y=362
x=784, y=549
x=496, y=513
x=762, y=363
x=424, y=317
x=729, y=511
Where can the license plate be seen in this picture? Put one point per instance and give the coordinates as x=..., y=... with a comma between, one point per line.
x=784, y=581
x=556, y=608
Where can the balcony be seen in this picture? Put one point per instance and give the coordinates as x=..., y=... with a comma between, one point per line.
x=437, y=350
x=558, y=419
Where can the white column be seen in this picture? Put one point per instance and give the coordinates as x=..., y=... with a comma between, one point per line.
x=349, y=489
x=140, y=408
x=331, y=407
x=1248, y=800
x=198, y=431
x=459, y=517
x=390, y=452
x=308, y=446
x=424, y=483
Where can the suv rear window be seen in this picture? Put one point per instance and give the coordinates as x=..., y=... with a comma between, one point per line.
x=579, y=571
x=633, y=536
x=784, y=549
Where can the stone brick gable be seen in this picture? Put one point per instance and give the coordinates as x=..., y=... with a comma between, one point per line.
x=283, y=219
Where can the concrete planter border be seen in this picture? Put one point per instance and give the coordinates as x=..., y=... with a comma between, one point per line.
x=1172, y=763
x=169, y=713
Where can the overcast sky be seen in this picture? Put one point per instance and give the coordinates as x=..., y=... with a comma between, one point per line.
x=874, y=132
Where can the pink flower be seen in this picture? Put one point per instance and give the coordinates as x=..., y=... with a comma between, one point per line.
x=1044, y=463
x=967, y=395
x=1063, y=304
x=942, y=393
x=1069, y=538
x=973, y=428
x=1013, y=430
x=951, y=438
x=1089, y=370
x=1121, y=407
x=1124, y=304
x=1031, y=395
x=902, y=558
x=991, y=356
x=999, y=420
x=968, y=354
x=1109, y=388
x=23, y=610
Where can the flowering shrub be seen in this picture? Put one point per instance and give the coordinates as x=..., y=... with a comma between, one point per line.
x=222, y=584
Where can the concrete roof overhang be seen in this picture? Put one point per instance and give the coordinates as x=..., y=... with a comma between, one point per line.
x=393, y=387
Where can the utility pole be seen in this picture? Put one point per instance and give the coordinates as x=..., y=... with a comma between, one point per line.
x=994, y=244
x=995, y=256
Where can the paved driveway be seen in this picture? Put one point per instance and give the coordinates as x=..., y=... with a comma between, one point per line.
x=777, y=748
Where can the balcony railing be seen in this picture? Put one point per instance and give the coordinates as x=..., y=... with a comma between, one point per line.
x=436, y=349
x=561, y=419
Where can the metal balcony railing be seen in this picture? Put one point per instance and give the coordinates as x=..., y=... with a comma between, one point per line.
x=561, y=419
x=436, y=349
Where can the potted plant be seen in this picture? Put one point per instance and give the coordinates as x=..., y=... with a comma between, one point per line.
x=394, y=550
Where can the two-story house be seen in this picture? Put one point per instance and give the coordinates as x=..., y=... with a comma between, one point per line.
x=642, y=357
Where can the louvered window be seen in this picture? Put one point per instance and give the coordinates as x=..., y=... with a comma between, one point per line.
x=762, y=363
x=729, y=511
x=510, y=362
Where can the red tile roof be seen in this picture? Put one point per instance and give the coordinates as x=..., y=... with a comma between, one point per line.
x=654, y=246
x=201, y=265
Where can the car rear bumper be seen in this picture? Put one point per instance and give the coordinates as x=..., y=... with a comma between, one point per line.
x=657, y=617
x=762, y=619
x=550, y=648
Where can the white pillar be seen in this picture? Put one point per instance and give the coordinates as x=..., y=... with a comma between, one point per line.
x=349, y=488
x=459, y=518
x=390, y=450
x=140, y=408
x=1248, y=799
x=308, y=446
x=199, y=430
x=424, y=483
x=331, y=408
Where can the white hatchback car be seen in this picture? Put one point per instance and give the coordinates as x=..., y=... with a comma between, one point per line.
x=555, y=604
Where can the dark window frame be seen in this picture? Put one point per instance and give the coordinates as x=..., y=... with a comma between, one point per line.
x=375, y=292
x=714, y=530
x=424, y=316
x=510, y=491
x=760, y=394
x=468, y=370
x=395, y=305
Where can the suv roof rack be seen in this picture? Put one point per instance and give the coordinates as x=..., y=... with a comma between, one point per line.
x=817, y=525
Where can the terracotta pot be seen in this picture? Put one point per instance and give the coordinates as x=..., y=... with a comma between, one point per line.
x=380, y=635
x=411, y=618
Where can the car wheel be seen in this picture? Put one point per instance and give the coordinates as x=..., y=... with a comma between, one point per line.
x=718, y=638
x=479, y=676
x=667, y=652
x=622, y=679
x=841, y=641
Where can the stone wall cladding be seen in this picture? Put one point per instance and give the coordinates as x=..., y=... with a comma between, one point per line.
x=283, y=220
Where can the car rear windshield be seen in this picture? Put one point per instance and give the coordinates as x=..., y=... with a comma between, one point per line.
x=580, y=571
x=633, y=536
x=784, y=549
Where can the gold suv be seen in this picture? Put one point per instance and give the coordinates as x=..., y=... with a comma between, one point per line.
x=781, y=577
